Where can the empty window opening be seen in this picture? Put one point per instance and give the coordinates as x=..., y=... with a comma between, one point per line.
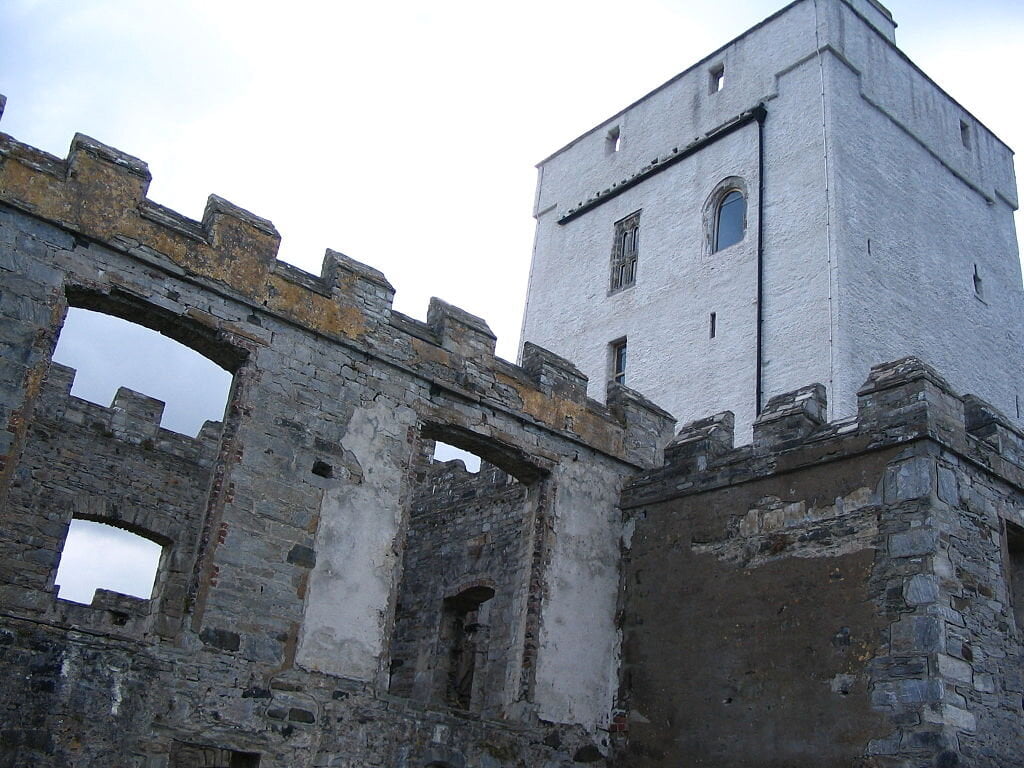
x=444, y=452
x=625, y=249
x=464, y=635
x=613, y=141
x=617, y=358
x=965, y=134
x=730, y=220
x=1015, y=566
x=100, y=556
x=979, y=284
x=108, y=352
x=712, y=325
x=716, y=78
x=466, y=566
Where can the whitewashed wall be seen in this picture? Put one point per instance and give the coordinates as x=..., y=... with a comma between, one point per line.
x=896, y=172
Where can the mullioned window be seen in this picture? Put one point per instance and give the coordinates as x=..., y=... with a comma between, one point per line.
x=625, y=248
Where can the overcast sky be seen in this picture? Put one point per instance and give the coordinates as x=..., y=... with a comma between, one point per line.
x=404, y=134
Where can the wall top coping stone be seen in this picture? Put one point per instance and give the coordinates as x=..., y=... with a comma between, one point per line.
x=902, y=401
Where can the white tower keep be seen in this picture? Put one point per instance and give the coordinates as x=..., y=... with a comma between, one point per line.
x=798, y=206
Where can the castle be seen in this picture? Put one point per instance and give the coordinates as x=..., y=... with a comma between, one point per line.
x=823, y=566
x=871, y=218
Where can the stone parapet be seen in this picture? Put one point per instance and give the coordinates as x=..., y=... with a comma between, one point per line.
x=99, y=193
x=901, y=402
x=132, y=417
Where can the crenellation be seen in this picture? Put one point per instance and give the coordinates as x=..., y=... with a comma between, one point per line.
x=789, y=581
x=554, y=375
x=461, y=333
x=909, y=396
x=296, y=537
x=790, y=417
x=699, y=441
x=649, y=427
x=904, y=508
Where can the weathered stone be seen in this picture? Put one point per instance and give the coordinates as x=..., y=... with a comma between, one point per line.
x=920, y=589
x=328, y=595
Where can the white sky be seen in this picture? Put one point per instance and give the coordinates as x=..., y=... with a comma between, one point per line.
x=404, y=133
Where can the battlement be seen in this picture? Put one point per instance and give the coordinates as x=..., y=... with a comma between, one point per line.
x=901, y=401
x=132, y=417
x=99, y=193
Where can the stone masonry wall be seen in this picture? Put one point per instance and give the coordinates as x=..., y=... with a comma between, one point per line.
x=110, y=465
x=833, y=594
x=268, y=636
x=466, y=530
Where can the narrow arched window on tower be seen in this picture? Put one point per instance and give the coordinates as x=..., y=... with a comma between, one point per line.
x=730, y=220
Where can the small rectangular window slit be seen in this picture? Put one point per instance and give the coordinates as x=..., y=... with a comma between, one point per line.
x=712, y=325
x=617, y=361
x=965, y=134
x=613, y=141
x=717, y=78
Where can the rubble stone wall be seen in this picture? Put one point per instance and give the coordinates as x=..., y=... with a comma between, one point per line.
x=466, y=531
x=269, y=633
x=833, y=594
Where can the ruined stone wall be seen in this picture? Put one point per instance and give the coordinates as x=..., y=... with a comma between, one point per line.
x=833, y=594
x=270, y=634
x=467, y=531
x=110, y=465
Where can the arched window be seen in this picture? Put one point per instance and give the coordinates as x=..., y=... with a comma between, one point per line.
x=730, y=220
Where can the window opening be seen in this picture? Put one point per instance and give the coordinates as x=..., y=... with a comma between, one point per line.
x=618, y=361
x=1015, y=566
x=730, y=220
x=979, y=285
x=464, y=634
x=717, y=78
x=100, y=556
x=613, y=141
x=108, y=352
x=965, y=134
x=466, y=565
x=712, y=325
x=625, y=249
